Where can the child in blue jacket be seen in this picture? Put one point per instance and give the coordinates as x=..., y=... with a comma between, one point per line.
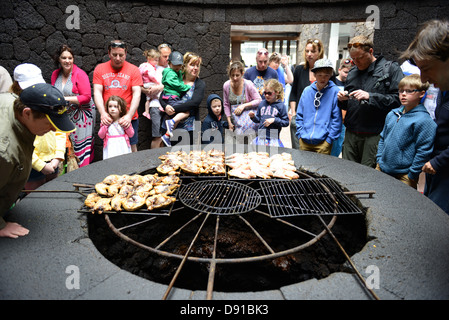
x=212, y=128
x=406, y=142
x=318, y=117
x=271, y=115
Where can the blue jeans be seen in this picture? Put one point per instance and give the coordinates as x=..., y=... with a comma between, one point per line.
x=437, y=190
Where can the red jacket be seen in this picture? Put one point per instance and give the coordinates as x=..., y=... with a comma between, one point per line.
x=81, y=84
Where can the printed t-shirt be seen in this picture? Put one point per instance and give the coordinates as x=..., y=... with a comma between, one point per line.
x=118, y=82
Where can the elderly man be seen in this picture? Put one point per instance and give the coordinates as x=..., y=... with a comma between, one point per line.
x=430, y=52
x=261, y=72
x=371, y=91
x=118, y=77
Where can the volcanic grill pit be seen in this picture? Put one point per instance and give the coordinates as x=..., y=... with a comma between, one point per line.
x=250, y=267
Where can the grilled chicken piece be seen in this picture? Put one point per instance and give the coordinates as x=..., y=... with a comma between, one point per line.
x=92, y=199
x=159, y=201
x=262, y=172
x=152, y=178
x=143, y=188
x=242, y=173
x=117, y=202
x=136, y=180
x=111, y=179
x=193, y=167
x=164, y=189
x=102, y=189
x=170, y=179
x=135, y=201
x=102, y=205
x=114, y=189
x=167, y=167
x=126, y=190
x=285, y=174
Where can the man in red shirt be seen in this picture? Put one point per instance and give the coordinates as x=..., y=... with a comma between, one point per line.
x=120, y=78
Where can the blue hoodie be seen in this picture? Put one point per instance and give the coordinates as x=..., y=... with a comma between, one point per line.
x=212, y=122
x=316, y=124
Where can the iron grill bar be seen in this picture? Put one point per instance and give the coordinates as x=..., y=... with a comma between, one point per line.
x=178, y=270
x=258, y=235
x=213, y=264
x=288, y=223
x=177, y=231
x=136, y=224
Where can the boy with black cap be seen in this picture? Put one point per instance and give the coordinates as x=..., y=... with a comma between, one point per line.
x=39, y=109
x=174, y=88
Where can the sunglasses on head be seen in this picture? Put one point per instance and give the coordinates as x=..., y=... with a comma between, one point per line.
x=358, y=45
x=264, y=52
x=117, y=45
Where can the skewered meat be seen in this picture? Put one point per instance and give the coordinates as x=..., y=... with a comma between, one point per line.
x=102, y=189
x=92, y=199
x=117, y=202
x=152, y=178
x=135, y=201
x=102, y=205
x=191, y=167
x=170, y=179
x=159, y=201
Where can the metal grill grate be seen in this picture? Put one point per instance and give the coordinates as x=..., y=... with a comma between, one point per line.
x=220, y=197
x=306, y=197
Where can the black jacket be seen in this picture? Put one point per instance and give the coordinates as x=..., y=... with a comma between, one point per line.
x=381, y=80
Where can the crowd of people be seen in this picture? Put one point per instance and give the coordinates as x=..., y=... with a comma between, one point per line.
x=367, y=111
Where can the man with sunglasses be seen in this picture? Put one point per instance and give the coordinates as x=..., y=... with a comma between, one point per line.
x=261, y=72
x=429, y=51
x=370, y=93
x=118, y=77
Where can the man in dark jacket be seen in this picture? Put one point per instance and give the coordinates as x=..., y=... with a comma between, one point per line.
x=371, y=91
x=430, y=52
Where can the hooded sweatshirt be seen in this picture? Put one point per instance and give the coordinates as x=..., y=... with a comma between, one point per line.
x=406, y=142
x=316, y=124
x=213, y=123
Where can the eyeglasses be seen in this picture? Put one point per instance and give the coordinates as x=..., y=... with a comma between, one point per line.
x=317, y=101
x=408, y=91
x=268, y=93
x=358, y=45
x=117, y=45
x=261, y=51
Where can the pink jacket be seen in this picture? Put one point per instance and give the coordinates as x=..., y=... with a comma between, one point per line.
x=81, y=84
x=251, y=94
x=103, y=134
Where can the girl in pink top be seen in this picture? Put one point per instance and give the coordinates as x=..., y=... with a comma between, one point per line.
x=115, y=138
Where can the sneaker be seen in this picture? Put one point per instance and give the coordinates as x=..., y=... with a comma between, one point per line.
x=166, y=140
x=161, y=109
x=170, y=124
x=147, y=115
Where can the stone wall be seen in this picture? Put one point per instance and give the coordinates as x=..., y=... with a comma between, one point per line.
x=30, y=31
